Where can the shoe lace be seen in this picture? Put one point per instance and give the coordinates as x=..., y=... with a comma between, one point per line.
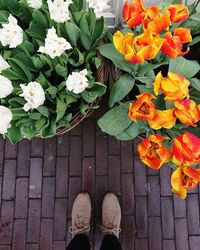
x=110, y=227
x=80, y=226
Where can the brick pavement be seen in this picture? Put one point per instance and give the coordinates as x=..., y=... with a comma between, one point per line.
x=40, y=179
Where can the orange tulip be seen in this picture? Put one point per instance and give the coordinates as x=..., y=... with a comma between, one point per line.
x=186, y=150
x=152, y=151
x=133, y=13
x=150, y=15
x=178, y=12
x=184, y=179
x=163, y=119
x=143, y=108
x=122, y=43
x=174, y=87
x=187, y=112
x=160, y=23
x=173, y=44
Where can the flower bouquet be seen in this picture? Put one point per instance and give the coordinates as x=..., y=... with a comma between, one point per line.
x=157, y=96
x=48, y=65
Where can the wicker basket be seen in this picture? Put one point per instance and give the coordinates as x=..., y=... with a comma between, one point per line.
x=102, y=76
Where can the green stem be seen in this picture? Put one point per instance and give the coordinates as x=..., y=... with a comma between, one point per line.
x=25, y=50
x=59, y=29
x=60, y=61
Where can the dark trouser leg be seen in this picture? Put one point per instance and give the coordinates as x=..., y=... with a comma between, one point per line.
x=79, y=242
x=111, y=242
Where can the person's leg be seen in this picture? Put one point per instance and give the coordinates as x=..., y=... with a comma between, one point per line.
x=111, y=219
x=81, y=215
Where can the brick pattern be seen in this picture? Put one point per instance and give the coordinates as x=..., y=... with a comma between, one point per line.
x=40, y=179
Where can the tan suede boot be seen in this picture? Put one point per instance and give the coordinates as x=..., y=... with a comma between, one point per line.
x=81, y=214
x=111, y=215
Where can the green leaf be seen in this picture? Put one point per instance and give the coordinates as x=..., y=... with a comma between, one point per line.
x=44, y=111
x=40, y=19
x=28, y=132
x=184, y=67
x=121, y=88
x=76, y=58
x=195, y=83
x=91, y=95
x=14, y=134
x=115, y=121
x=72, y=33
x=49, y=130
x=194, y=41
x=144, y=89
x=4, y=16
x=18, y=113
x=61, y=108
x=52, y=91
x=61, y=71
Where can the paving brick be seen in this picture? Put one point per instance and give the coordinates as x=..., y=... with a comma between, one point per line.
x=114, y=171
x=32, y=247
x=155, y=233
x=128, y=232
x=193, y=214
x=1, y=181
x=37, y=147
x=169, y=245
x=194, y=242
x=140, y=177
x=19, y=235
x=167, y=218
x=2, y=142
x=21, y=201
x=46, y=234
x=5, y=247
x=88, y=138
x=165, y=180
x=60, y=219
x=152, y=171
x=59, y=245
x=113, y=146
x=63, y=145
x=141, y=216
x=101, y=155
x=23, y=160
x=6, y=223
x=74, y=189
x=62, y=177
x=78, y=130
x=127, y=194
x=49, y=157
x=48, y=194
x=35, y=186
x=127, y=157
x=181, y=234
x=88, y=179
x=9, y=180
x=33, y=230
x=141, y=244
x=100, y=190
x=154, y=196
x=10, y=150
x=179, y=207
x=75, y=155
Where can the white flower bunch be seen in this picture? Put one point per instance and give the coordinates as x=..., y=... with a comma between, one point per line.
x=98, y=5
x=34, y=94
x=35, y=4
x=11, y=34
x=59, y=10
x=5, y=119
x=3, y=64
x=77, y=82
x=6, y=87
x=54, y=45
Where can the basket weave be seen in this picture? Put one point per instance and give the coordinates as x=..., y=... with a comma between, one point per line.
x=101, y=76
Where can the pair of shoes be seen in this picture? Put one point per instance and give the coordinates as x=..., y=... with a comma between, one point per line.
x=81, y=215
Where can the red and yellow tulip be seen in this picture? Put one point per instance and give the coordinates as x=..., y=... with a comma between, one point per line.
x=143, y=108
x=174, y=87
x=173, y=44
x=183, y=179
x=187, y=111
x=133, y=13
x=186, y=150
x=152, y=151
x=178, y=12
x=163, y=119
x=150, y=15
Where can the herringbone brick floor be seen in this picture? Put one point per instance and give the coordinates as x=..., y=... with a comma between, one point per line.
x=40, y=179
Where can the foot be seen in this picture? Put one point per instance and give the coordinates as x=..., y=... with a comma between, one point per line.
x=81, y=214
x=111, y=215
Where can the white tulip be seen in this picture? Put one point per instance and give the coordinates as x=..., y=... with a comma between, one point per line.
x=77, y=82
x=11, y=34
x=99, y=5
x=3, y=64
x=6, y=87
x=35, y=4
x=59, y=10
x=5, y=119
x=34, y=94
x=54, y=45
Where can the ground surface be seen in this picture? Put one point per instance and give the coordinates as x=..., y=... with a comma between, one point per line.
x=39, y=181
